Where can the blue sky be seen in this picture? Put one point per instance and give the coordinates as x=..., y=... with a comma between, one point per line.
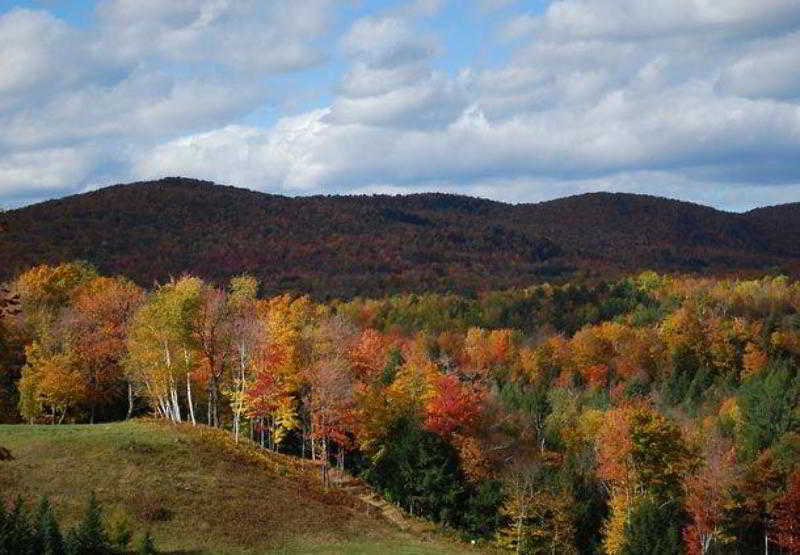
x=520, y=101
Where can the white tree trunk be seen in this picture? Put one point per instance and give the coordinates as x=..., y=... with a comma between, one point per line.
x=130, y=400
x=173, y=394
x=189, y=398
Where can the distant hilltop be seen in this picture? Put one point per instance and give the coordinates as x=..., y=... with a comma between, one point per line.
x=343, y=246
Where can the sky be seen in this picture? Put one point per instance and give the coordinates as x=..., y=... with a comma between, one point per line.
x=519, y=101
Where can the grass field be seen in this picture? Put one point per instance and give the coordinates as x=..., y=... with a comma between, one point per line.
x=197, y=492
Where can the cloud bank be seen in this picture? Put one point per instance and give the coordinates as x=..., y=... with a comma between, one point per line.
x=694, y=99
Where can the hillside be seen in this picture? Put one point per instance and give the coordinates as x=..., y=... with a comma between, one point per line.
x=780, y=226
x=370, y=245
x=196, y=491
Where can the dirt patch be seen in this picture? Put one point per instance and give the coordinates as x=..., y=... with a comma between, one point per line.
x=5, y=454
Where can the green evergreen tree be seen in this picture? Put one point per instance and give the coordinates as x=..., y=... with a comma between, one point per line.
x=53, y=540
x=654, y=529
x=481, y=516
x=89, y=537
x=420, y=471
x=16, y=535
x=37, y=539
x=769, y=408
x=394, y=362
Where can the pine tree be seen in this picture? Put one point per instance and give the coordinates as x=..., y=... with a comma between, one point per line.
x=654, y=529
x=37, y=539
x=16, y=534
x=53, y=540
x=90, y=537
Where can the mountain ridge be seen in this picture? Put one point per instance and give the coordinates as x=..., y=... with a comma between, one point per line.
x=339, y=245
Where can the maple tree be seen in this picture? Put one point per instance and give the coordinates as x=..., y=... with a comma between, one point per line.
x=100, y=314
x=453, y=406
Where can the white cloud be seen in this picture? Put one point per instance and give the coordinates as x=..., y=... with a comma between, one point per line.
x=768, y=69
x=692, y=98
x=245, y=34
x=50, y=169
x=147, y=71
x=37, y=52
x=656, y=18
x=386, y=42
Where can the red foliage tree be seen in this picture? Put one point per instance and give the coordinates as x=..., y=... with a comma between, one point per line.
x=454, y=406
x=786, y=516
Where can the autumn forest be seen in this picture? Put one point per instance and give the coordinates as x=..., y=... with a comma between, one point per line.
x=650, y=414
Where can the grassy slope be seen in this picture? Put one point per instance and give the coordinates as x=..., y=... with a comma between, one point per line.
x=195, y=490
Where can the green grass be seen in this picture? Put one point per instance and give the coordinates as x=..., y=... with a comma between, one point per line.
x=196, y=491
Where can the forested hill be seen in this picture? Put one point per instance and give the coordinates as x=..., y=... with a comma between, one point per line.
x=370, y=245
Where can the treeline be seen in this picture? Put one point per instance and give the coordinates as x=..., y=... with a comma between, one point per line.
x=37, y=532
x=656, y=414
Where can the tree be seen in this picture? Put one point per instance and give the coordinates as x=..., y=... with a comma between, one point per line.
x=51, y=378
x=331, y=405
x=90, y=537
x=530, y=406
x=46, y=291
x=453, y=407
x=48, y=539
x=210, y=329
x=50, y=383
x=147, y=546
x=247, y=336
x=481, y=516
x=53, y=541
x=163, y=349
x=654, y=528
x=418, y=470
x=768, y=404
x=331, y=382
x=16, y=532
x=520, y=486
x=538, y=509
x=119, y=530
x=644, y=460
x=786, y=516
x=749, y=512
x=98, y=321
x=707, y=494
